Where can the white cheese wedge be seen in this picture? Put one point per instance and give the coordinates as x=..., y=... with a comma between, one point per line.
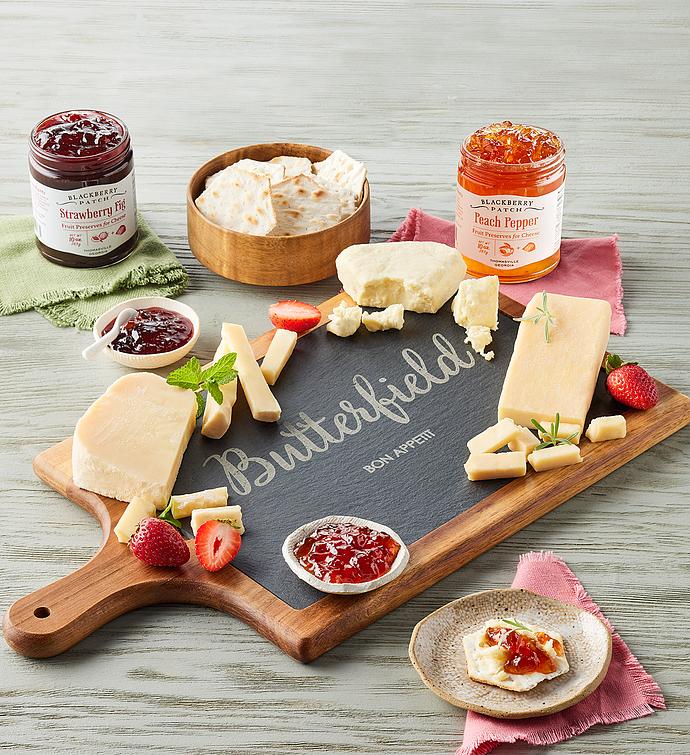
x=420, y=275
x=232, y=514
x=524, y=441
x=344, y=321
x=184, y=505
x=488, y=466
x=131, y=440
x=262, y=403
x=217, y=417
x=137, y=509
x=560, y=375
x=554, y=457
x=493, y=437
x=476, y=302
x=607, y=428
x=391, y=318
x=566, y=430
x=479, y=337
x=486, y=662
x=279, y=351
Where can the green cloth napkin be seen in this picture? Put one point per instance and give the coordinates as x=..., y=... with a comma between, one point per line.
x=73, y=297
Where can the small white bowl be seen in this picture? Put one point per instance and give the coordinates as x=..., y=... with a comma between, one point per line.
x=149, y=361
x=346, y=588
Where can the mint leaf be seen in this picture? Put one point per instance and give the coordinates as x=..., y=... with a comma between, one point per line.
x=200, y=404
x=215, y=392
x=166, y=515
x=222, y=371
x=187, y=376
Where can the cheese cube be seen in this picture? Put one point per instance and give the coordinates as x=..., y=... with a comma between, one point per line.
x=232, y=514
x=607, y=428
x=476, y=302
x=262, y=403
x=217, y=417
x=553, y=457
x=391, y=318
x=183, y=505
x=279, y=351
x=524, y=441
x=494, y=437
x=558, y=376
x=131, y=440
x=565, y=430
x=137, y=509
x=482, y=466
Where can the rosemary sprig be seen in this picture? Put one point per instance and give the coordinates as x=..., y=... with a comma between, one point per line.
x=516, y=624
x=543, y=313
x=553, y=439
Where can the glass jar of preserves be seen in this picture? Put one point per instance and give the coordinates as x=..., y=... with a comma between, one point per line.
x=509, y=203
x=82, y=188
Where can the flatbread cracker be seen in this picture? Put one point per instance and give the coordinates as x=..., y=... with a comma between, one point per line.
x=275, y=172
x=293, y=165
x=341, y=170
x=304, y=205
x=239, y=201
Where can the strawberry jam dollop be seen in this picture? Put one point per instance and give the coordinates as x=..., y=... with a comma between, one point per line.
x=347, y=553
x=512, y=143
x=524, y=654
x=153, y=330
x=78, y=134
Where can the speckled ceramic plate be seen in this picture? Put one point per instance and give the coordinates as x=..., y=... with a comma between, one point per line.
x=437, y=653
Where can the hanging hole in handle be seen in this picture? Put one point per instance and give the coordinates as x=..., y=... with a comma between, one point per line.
x=42, y=612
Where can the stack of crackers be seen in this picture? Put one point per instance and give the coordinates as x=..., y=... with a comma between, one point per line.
x=286, y=196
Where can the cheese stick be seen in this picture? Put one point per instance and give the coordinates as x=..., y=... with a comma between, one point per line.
x=279, y=351
x=217, y=417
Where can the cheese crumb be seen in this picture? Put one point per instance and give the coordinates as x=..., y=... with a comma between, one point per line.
x=391, y=318
x=344, y=321
x=479, y=337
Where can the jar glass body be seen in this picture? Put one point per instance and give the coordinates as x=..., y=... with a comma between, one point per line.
x=84, y=207
x=509, y=216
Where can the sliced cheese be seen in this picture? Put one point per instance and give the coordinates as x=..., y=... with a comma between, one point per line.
x=420, y=275
x=566, y=430
x=391, y=318
x=131, y=440
x=184, y=505
x=476, y=302
x=262, y=403
x=560, y=375
x=232, y=514
x=524, y=441
x=496, y=466
x=137, y=509
x=607, y=428
x=554, y=457
x=217, y=417
x=493, y=437
x=279, y=351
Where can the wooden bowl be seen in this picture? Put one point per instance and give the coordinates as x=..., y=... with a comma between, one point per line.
x=270, y=260
x=437, y=653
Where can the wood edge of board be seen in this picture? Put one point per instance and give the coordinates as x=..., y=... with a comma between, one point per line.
x=307, y=633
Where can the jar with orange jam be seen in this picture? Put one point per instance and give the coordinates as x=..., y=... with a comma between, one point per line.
x=509, y=204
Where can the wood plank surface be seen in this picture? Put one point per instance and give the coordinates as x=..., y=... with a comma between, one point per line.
x=396, y=84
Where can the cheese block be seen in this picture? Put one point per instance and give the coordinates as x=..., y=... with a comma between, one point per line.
x=184, y=505
x=524, y=441
x=565, y=430
x=131, y=440
x=279, y=351
x=607, y=428
x=391, y=318
x=137, y=509
x=262, y=403
x=558, y=376
x=232, y=514
x=488, y=466
x=553, y=457
x=493, y=437
x=217, y=417
x=420, y=275
x=476, y=302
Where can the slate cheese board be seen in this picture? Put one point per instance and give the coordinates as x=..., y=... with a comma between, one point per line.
x=373, y=426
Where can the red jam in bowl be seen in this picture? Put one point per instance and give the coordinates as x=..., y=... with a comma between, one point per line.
x=153, y=330
x=81, y=169
x=347, y=553
x=524, y=656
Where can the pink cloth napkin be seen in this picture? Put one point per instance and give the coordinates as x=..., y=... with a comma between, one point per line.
x=627, y=691
x=588, y=267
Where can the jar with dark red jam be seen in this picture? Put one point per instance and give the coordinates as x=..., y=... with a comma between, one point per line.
x=82, y=188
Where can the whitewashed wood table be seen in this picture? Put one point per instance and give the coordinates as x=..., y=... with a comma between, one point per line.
x=397, y=85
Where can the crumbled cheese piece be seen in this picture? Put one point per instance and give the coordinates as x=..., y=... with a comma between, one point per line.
x=479, y=337
x=344, y=321
x=391, y=318
x=476, y=302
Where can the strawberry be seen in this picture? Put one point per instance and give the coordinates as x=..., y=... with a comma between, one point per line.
x=629, y=384
x=216, y=544
x=157, y=543
x=297, y=316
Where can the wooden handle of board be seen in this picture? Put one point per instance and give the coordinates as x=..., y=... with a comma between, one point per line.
x=58, y=616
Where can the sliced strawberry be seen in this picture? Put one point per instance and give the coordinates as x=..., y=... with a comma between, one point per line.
x=630, y=384
x=297, y=316
x=157, y=543
x=216, y=544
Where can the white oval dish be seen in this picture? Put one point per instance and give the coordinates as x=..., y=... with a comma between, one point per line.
x=347, y=588
x=149, y=361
